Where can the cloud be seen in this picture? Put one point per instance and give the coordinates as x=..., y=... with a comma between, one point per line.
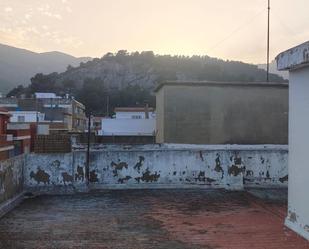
x=27, y=16
x=52, y=15
x=8, y=9
x=68, y=9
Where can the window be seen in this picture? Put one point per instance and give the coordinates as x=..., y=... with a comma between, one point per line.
x=136, y=116
x=20, y=119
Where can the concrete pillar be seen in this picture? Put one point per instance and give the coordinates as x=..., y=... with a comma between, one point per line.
x=296, y=60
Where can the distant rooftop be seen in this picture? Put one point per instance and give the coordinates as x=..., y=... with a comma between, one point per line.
x=4, y=111
x=219, y=83
x=132, y=109
x=40, y=95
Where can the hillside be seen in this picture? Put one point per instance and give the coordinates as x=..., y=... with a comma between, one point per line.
x=146, y=69
x=124, y=79
x=17, y=65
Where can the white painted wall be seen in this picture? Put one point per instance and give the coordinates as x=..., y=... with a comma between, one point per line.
x=128, y=127
x=28, y=116
x=133, y=115
x=298, y=203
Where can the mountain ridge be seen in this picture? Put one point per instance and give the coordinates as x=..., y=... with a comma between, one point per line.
x=18, y=65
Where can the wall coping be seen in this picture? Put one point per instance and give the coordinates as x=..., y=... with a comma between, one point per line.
x=294, y=58
x=180, y=147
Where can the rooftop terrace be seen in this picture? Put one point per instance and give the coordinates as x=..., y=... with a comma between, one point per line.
x=182, y=218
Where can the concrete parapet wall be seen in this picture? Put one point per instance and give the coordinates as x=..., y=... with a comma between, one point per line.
x=168, y=165
x=11, y=177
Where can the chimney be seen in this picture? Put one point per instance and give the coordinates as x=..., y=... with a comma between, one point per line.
x=146, y=111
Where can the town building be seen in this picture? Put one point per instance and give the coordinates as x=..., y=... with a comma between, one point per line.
x=6, y=140
x=130, y=124
x=96, y=124
x=134, y=113
x=296, y=61
x=222, y=113
x=61, y=114
x=21, y=137
x=26, y=117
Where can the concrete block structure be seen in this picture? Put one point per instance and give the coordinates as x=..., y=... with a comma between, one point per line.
x=296, y=60
x=222, y=113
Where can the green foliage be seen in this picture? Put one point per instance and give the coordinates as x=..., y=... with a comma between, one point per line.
x=93, y=95
x=44, y=83
x=136, y=75
x=17, y=91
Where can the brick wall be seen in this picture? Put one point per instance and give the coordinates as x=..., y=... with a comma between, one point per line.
x=52, y=144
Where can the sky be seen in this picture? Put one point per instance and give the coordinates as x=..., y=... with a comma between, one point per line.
x=227, y=29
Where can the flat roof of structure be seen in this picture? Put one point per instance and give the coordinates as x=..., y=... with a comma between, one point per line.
x=133, y=109
x=220, y=83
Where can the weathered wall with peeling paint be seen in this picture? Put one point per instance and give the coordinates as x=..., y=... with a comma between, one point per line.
x=161, y=166
x=11, y=177
x=298, y=197
x=296, y=60
x=222, y=113
x=49, y=170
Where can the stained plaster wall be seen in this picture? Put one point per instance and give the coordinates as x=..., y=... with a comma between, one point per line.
x=296, y=60
x=11, y=177
x=160, y=166
x=298, y=197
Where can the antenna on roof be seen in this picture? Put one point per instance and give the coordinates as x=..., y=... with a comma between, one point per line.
x=267, y=78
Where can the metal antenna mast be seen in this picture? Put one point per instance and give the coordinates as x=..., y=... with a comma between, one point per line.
x=267, y=79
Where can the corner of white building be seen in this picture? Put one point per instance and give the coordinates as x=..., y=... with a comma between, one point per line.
x=296, y=61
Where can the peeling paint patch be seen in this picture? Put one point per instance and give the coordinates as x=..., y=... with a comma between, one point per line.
x=40, y=176
x=292, y=217
x=118, y=166
x=218, y=167
x=284, y=179
x=93, y=176
x=148, y=177
x=234, y=170
x=80, y=174
x=124, y=180
x=139, y=164
x=202, y=178
x=67, y=178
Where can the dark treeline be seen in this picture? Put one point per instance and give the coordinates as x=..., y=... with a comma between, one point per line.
x=128, y=79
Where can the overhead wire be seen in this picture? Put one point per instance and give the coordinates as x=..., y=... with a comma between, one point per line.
x=239, y=28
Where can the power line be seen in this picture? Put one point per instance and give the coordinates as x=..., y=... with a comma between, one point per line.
x=239, y=28
x=268, y=22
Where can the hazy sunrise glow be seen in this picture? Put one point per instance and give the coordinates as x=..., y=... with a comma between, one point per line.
x=228, y=29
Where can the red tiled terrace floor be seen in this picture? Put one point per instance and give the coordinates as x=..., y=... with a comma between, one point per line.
x=161, y=219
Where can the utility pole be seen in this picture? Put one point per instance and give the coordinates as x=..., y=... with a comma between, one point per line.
x=107, y=105
x=267, y=79
x=88, y=150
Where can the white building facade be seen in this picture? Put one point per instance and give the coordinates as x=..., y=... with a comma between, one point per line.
x=134, y=113
x=129, y=122
x=26, y=116
x=296, y=60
